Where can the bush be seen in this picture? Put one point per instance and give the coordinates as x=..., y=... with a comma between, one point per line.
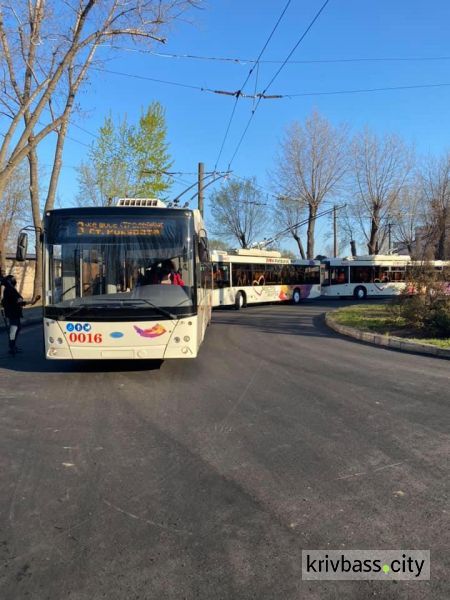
x=439, y=320
x=425, y=303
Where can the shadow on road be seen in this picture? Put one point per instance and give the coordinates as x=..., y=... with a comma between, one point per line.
x=306, y=319
x=28, y=362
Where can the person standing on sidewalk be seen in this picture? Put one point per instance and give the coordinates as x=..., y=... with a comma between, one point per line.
x=12, y=303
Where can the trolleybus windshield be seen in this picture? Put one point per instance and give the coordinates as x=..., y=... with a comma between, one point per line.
x=115, y=266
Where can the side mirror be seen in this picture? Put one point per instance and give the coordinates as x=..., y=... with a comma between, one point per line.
x=22, y=246
x=203, y=249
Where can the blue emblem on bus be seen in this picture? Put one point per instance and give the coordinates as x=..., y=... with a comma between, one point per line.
x=69, y=327
x=116, y=334
x=87, y=327
x=78, y=327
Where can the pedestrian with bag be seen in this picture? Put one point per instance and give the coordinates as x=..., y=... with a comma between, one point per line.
x=12, y=303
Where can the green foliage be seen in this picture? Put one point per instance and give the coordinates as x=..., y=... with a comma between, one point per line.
x=395, y=319
x=126, y=160
x=374, y=317
x=150, y=152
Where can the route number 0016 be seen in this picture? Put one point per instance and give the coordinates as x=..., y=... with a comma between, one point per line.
x=83, y=338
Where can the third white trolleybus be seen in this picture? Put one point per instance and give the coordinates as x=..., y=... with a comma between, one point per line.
x=372, y=275
x=251, y=276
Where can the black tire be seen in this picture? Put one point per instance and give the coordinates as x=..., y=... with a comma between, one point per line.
x=296, y=296
x=239, y=301
x=360, y=293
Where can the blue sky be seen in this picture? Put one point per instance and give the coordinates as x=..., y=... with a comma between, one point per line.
x=347, y=29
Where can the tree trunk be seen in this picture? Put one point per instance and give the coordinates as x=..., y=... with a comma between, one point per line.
x=4, y=234
x=311, y=227
x=2, y=254
x=373, y=243
x=300, y=245
x=37, y=222
x=440, y=246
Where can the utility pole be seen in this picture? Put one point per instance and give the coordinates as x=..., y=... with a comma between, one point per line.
x=389, y=236
x=201, y=176
x=335, y=246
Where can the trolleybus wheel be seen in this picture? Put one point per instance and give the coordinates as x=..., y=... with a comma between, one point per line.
x=239, y=301
x=296, y=296
x=360, y=292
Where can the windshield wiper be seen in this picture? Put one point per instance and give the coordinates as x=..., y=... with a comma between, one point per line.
x=73, y=312
x=128, y=301
x=82, y=305
x=105, y=303
x=163, y=311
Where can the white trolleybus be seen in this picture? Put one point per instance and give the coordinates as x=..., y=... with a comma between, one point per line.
x=251, y=276
x=131, y=281
x=373, y=275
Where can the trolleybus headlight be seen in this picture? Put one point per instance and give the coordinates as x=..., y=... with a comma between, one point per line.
x=177, y=340
x=51, y=340
x=59, y=340
x=185, y=350
x=186, y=338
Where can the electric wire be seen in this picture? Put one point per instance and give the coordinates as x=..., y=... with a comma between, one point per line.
x=367, y=90
x=302, y=37
x=246, y=61
x=239, y=93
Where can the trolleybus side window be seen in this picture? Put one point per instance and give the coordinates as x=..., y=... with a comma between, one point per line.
x=311, y=275
x=398, y=273
x=273, y=274
x=339, y=275
x=381, y=274
x=258, y=275
x=362, y=274
x=221, y=275
x=326, y=274
x=242, y=274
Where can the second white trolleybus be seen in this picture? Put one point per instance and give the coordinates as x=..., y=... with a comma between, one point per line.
x=251, y=276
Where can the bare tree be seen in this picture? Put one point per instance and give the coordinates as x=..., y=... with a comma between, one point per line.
x=47, y=48
x=289, y=212
x=407, y=215
x=14, y=208
x=309, y=168
x=436, y=192
x=238, y=212
x=380, y=168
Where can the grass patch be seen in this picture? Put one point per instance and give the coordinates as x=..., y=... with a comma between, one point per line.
x=379, y=318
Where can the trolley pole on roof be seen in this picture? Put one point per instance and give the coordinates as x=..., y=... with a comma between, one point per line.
x=201, y=175
x=335, y=246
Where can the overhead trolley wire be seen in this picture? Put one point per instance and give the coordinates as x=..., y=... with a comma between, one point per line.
x=263, y=95
x=278, y=71
x=246, y=61
x=239, y=93
x=366, y=90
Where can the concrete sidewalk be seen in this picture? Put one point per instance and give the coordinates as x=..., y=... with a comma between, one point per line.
x=31, y=316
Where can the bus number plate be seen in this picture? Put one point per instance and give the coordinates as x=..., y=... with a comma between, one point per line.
x=85, y=338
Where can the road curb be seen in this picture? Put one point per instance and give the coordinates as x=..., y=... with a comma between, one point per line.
x=386, y=341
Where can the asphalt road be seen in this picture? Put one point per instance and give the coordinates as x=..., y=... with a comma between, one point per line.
x=204, y=479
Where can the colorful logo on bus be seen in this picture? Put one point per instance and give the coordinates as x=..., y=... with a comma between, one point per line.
x=152, y=332
x=283, y=293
